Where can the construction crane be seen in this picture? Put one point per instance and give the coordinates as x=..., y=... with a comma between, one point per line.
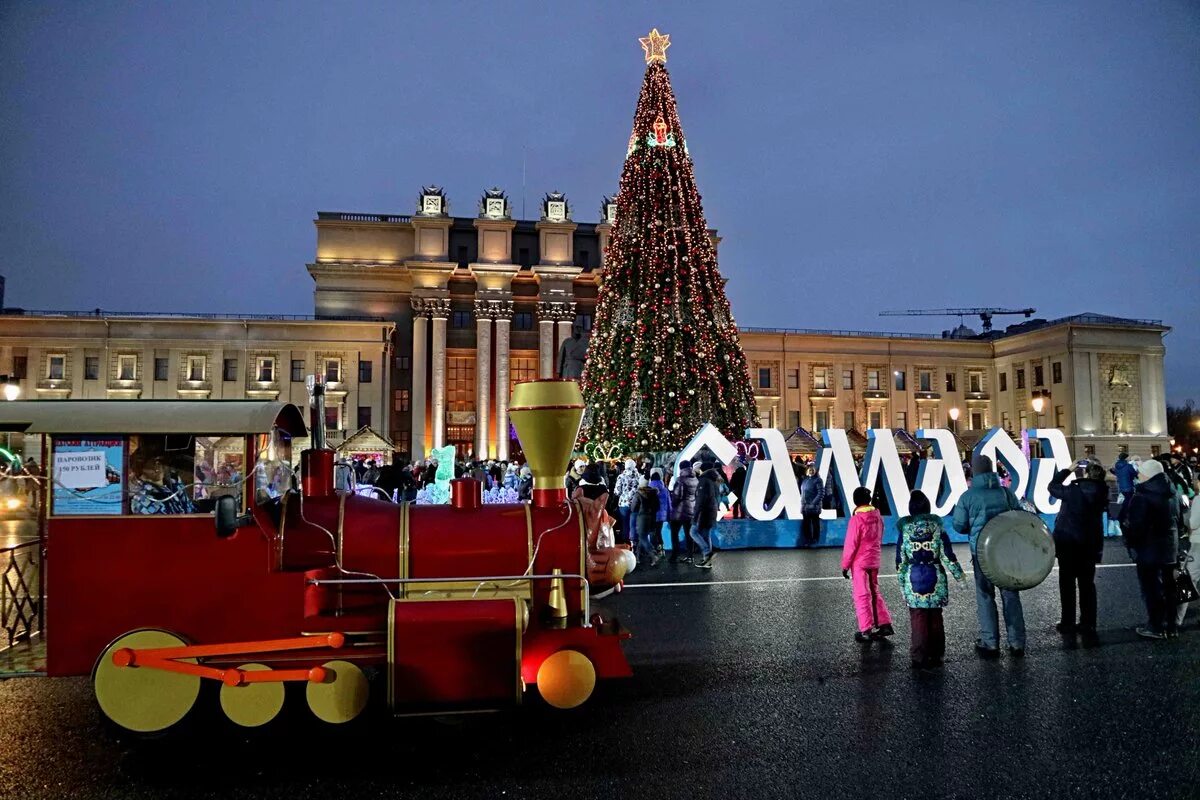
x=985, y=314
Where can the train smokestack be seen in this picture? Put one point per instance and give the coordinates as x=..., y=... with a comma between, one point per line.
x=547, y=415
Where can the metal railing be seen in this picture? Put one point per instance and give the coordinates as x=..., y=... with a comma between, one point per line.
x=351, y=216
x=100, y=313
x=842, y=333
x=21, y=605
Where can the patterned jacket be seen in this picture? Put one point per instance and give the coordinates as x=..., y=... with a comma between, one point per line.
x=923, y=555
x=627, y=486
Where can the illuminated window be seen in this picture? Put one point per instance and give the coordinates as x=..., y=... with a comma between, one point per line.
x=926, y=418
x=460, y=383
x=404, y=442
x=820, y=378
x=266, y=370
x=902, y=420
x=196, y=366
x=127, y=368
x=520, y=369
x=403, y=401
x=333, y=370
x=56, y=367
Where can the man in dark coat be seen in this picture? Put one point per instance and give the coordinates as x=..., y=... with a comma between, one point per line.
x=737, y=484
x=1150, y=520
x=1079, y=544
x=812, y=493
x=1125, y=472
x=708, y=509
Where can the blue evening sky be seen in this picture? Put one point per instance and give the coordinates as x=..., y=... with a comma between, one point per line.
x=856, y=156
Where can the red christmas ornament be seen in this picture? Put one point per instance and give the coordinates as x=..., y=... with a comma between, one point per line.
x=660, y=130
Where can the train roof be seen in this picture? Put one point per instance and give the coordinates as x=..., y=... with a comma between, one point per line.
x=228, y=417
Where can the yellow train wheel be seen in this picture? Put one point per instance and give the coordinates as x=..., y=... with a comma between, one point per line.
x=252, y=704
x=143, y=699
x=341, y=696
x=566, y=679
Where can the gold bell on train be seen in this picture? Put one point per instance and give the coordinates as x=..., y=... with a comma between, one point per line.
x=556, y=606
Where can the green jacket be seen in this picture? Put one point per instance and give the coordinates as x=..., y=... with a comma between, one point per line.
x=985, y=499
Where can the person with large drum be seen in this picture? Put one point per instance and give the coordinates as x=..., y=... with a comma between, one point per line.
x=978, y=505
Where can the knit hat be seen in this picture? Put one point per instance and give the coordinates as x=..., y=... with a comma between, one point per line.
x=630, y=464
x=580, y=465
x=643, y=483
x=1149, y=469
x=981, y=464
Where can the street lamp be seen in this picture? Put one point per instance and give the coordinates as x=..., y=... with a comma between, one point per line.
x=954, y=412
x=12, y=389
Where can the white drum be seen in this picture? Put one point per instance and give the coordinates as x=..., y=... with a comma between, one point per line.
x=1015, y=550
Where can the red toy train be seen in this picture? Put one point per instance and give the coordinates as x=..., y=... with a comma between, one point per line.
x=433, y=608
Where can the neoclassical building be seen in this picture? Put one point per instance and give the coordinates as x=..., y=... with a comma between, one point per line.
x=423, y=323
x=1097, y=378
x=147, y=356
x=479, y=302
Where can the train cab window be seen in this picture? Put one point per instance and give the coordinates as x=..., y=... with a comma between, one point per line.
x=161, y=469
x=272, y=466
x=220, y=469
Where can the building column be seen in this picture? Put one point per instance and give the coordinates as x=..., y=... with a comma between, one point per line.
x=416, y=402
x=503, y=324
x=439, y=311
x=483, y=376
x=565, y=321
x=545, y=341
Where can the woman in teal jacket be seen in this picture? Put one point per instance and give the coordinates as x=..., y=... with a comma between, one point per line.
x=923, y=557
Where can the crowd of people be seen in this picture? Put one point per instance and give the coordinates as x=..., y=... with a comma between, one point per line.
x=1154, y=508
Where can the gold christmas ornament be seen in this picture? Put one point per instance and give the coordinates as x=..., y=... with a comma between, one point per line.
x=655, y=45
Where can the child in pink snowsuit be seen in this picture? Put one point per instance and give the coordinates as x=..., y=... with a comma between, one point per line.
x=860, y=562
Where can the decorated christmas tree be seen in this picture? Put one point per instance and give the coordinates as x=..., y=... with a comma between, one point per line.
x=664, y=356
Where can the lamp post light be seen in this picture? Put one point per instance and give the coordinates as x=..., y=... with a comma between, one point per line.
x=954, y=412
x=1039, y=398
x=12, y=389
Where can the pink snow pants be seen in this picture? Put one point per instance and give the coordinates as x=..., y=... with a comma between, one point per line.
x=868, y=602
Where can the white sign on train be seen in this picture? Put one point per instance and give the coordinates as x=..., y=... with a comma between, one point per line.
x=82, y=469
x=940, y=477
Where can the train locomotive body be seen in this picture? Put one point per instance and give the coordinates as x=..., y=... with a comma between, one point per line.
x=431, y=609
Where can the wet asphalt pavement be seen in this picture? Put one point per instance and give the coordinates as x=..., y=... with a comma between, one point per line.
x=749, y=686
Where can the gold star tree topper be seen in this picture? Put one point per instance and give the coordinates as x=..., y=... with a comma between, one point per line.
x=655, y=45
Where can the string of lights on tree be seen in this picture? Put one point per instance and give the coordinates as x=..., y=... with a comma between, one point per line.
x=664, y=356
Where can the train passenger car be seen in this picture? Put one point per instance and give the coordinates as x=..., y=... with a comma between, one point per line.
x=181, y=547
